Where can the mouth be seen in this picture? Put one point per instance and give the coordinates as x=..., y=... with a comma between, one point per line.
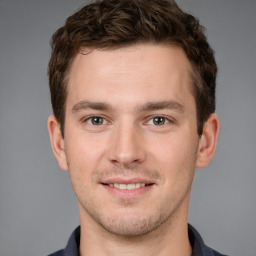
x=128, y=189
x=129, y=186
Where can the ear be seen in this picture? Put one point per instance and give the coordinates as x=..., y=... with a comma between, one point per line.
x=57, y=142
x=208, y=141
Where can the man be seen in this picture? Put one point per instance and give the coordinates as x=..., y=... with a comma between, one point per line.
x=133, y=93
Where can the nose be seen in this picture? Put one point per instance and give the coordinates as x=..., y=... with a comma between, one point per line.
x=126, y=146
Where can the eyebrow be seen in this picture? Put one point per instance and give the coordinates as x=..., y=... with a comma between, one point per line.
x=83, y=105
x=149, y=106
x=170, y=104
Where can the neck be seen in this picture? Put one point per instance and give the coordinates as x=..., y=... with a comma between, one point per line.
x=170, y=238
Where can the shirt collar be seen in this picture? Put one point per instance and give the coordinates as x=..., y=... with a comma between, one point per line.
x=197, y=243
x=72, y=248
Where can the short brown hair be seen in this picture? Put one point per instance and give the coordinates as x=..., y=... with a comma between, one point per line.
x=109, y=24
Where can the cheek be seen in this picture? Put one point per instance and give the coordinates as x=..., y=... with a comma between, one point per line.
x=172, y=148
x=81, y=165
x=175, y=156
x=84, y=149
x=82, y=161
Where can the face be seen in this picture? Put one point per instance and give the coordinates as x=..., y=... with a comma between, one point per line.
x=131, y=143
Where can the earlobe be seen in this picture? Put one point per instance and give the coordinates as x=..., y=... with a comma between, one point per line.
x=208, y=141
x=57, y=142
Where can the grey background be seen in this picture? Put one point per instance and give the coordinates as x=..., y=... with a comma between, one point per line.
x=38, y=210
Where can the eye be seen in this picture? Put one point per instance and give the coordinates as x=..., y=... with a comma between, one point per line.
x=96, y=120
x=158, y=120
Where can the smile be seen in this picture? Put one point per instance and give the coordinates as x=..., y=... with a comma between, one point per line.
x=128, y=189
x=127, y=186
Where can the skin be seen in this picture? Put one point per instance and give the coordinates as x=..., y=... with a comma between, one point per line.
x=145, y=131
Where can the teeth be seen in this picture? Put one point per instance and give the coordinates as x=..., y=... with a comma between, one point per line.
x=130, y=186
x=137, y=185
x=116, y=185
x=127, y=186
x=123, y=186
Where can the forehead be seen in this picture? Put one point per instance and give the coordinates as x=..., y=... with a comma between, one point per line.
x=138, y=71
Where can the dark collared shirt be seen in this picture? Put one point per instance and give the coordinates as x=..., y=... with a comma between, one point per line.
x=197, y=243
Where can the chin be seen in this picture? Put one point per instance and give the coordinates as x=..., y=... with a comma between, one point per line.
x=131, y=225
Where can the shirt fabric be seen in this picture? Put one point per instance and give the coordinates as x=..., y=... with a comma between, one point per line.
x=197, y=243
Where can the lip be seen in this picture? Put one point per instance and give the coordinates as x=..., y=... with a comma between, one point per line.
x=125, y=193
x=126, y=181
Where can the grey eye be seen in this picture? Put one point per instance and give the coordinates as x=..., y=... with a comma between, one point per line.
x=96, y=120
x=159, y=120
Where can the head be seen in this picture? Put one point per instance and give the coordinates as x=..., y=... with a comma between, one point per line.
x=111, y=24
x=132, y=85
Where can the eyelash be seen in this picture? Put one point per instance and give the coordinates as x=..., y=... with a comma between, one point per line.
x=91, y=118
x=165, y=119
